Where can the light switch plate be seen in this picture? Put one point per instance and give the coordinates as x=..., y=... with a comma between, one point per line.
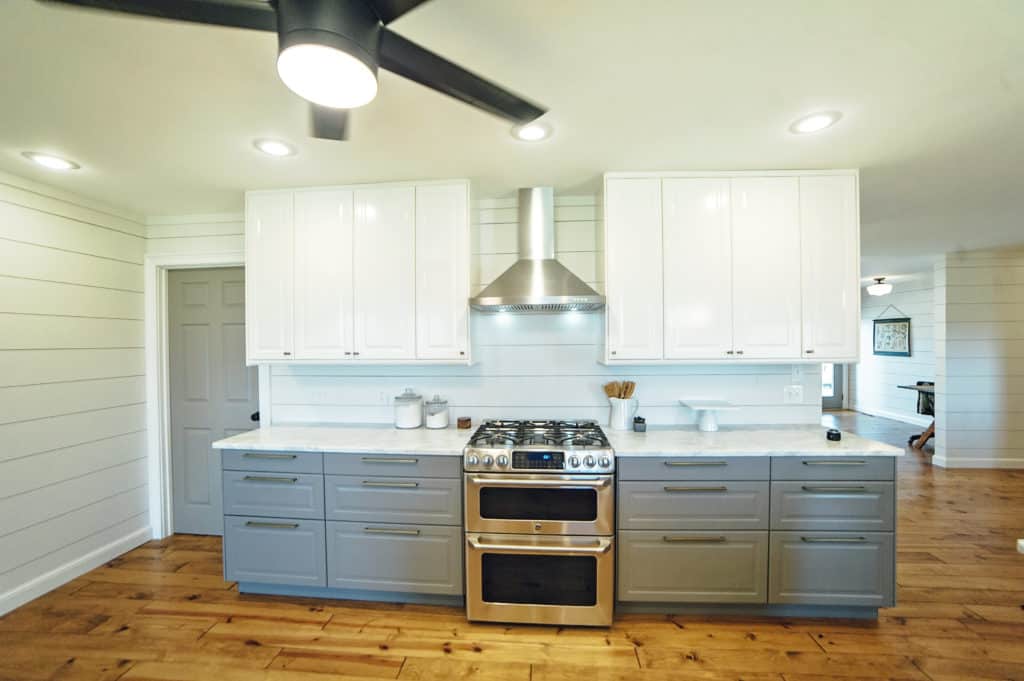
x=793, y=394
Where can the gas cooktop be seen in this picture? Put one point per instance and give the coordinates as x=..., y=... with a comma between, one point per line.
x=539, y=446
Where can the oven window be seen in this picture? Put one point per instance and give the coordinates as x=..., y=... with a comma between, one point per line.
x=539, y=580
x=501, y=503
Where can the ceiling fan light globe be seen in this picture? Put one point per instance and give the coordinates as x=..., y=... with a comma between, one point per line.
x=326, y=76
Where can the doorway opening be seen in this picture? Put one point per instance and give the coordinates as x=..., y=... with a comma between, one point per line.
x=832, y=385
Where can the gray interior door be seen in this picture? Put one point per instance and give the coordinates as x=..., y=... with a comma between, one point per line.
x=832, y=387
x=212, y=392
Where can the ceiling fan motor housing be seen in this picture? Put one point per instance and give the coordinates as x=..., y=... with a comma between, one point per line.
x=351, y=27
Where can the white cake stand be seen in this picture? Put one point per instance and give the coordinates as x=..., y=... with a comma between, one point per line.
x=707, y=412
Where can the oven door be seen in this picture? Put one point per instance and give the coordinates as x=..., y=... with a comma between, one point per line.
x=540, y=580
x=540, y=504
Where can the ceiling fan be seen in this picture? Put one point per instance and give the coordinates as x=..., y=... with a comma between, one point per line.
x=329, y=52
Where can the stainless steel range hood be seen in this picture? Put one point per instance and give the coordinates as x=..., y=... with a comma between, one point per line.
x=537, y=282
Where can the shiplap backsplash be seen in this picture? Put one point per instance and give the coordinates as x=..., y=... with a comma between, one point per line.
x=72, y=419
x=874, y=379
x=980, y=359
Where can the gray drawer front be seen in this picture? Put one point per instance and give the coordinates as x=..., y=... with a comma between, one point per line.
x=726, y=505
x=832, y=568
x=814, y=505
x=281, y=495
x=275, y=551
x=422, y=559
x=693, y=567
x=833, y=468
x=368, y=499
x=400, y=465
x=272, y=462
x=693, y=468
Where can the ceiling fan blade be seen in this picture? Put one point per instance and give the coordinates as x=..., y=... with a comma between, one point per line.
x=408, y=59
x=251, y=14
x=330, y=124
x=389, y=10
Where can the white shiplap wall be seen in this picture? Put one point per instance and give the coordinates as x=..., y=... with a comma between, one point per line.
x=539, y=365
x=72, y=413
x=980, y=359
x=874, y=379
x=206, y=234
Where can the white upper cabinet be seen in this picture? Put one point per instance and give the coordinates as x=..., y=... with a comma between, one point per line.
x=323, y=274
x=831, y=273
x=442, y=271
x=698, y=268
x=384, y=252
x=269, y=234
x=766, y=267
x=633, y=269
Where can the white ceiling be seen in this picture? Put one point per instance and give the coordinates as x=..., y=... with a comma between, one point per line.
x=162, y=115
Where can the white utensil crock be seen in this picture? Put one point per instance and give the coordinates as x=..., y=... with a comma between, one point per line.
x=622, y=413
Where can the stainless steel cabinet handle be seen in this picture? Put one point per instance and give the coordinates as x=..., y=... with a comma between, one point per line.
x=615, y=352
x=270, y=478
x=833, y=540
x=348, y=352
x=837, y=462
x=820, y=488
x=739, y=352
x=696, y=463
x=599, y=547
x=730, y=352
x=287, y=354
x=381, y=459
x=809, y=352
x=283, y=457
x=373, y=483
x=693, y=540
x=391, y=530
x=275, y=526
x=696, y=489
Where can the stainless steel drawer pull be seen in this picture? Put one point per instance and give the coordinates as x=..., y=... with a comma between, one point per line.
x=696, y=489
x=372, y=483
x=480, y=543
x=838, y=462
x=391, y=530
x=270, y=478
x=274, y=526
x=693, y=540
x=281, y=457
x=381, y=459
x=833, y=540
x=696, y=463
x=848, y=489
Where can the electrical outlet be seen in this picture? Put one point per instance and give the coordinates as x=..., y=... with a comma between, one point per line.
x=793, y=394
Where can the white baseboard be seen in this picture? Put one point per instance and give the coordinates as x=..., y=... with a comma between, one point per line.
x=915, y=419
x=944, y=461
x=49, y=581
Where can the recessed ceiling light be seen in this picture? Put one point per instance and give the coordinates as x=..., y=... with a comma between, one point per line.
x=532, y=132
x=274, y=147
x=50, y=161
x=815, y=122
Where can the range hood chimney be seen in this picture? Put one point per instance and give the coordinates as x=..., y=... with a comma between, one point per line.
x=537, y=282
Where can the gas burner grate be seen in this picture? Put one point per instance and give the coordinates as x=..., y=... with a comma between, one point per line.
x=539, y=433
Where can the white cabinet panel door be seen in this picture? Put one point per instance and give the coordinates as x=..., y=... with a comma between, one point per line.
x=766, y=267
x=323, y=274
x=830, y=251
x=385, y=273
x=269, y=243
x=442, y=271
x=698, y=268
x=633, y=258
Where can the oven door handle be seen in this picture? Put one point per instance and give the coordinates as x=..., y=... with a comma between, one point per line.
x=564, y=484
x=603, y=546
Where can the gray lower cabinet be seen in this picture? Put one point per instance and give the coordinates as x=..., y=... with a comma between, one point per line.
x=275, y=551
x=424, y=559
x=814, y=505
x=832, y=568
x=680, y=505
x=397, y=465
x=287, y=495
x=693, y=567
x=430, y=501
x=833, y=468
x=273, y=462
x=693, y=468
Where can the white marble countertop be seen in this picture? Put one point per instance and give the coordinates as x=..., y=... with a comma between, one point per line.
x=657, y=441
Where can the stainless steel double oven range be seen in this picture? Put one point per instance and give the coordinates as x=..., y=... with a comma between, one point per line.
x=540, y=522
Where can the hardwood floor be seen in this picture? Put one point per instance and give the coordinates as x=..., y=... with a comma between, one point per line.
x=162, y=612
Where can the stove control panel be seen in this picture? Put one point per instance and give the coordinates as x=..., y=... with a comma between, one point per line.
x=536, y=461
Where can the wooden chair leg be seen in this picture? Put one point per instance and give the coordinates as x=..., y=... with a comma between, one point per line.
x=925, y=436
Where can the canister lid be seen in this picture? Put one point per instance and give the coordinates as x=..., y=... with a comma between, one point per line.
x=409, y=395
x=437, y=402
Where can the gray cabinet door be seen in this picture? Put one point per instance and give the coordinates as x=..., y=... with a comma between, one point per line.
x=273, y=462
x=693, y=567
x=423, y=559
x=281, y=495
x=855, y=505
x=693, y=468
x=833, y=468
x=275, y=551
x=403, y=465
x=431, y=501
x=832, y=568
x=677, y=505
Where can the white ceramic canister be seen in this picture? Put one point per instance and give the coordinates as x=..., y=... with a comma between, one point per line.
x=622, y=412
x=408, y=409
x=437, y=413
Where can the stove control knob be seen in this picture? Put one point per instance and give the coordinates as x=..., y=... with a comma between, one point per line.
x=605, y=462
x=472, y=459
x=487, y=460
x=574, y=461
x=502, y=460
x=589, y=461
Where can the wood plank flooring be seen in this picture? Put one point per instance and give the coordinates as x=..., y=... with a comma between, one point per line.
x=163, y=613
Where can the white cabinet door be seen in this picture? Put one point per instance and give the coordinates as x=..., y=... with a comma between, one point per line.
x=766, y=267
x=442, y=271
x=323, y=274
x=633, y=259
x=385, y=273
x=830, y=234
x=269, y=234
x=698, y=268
